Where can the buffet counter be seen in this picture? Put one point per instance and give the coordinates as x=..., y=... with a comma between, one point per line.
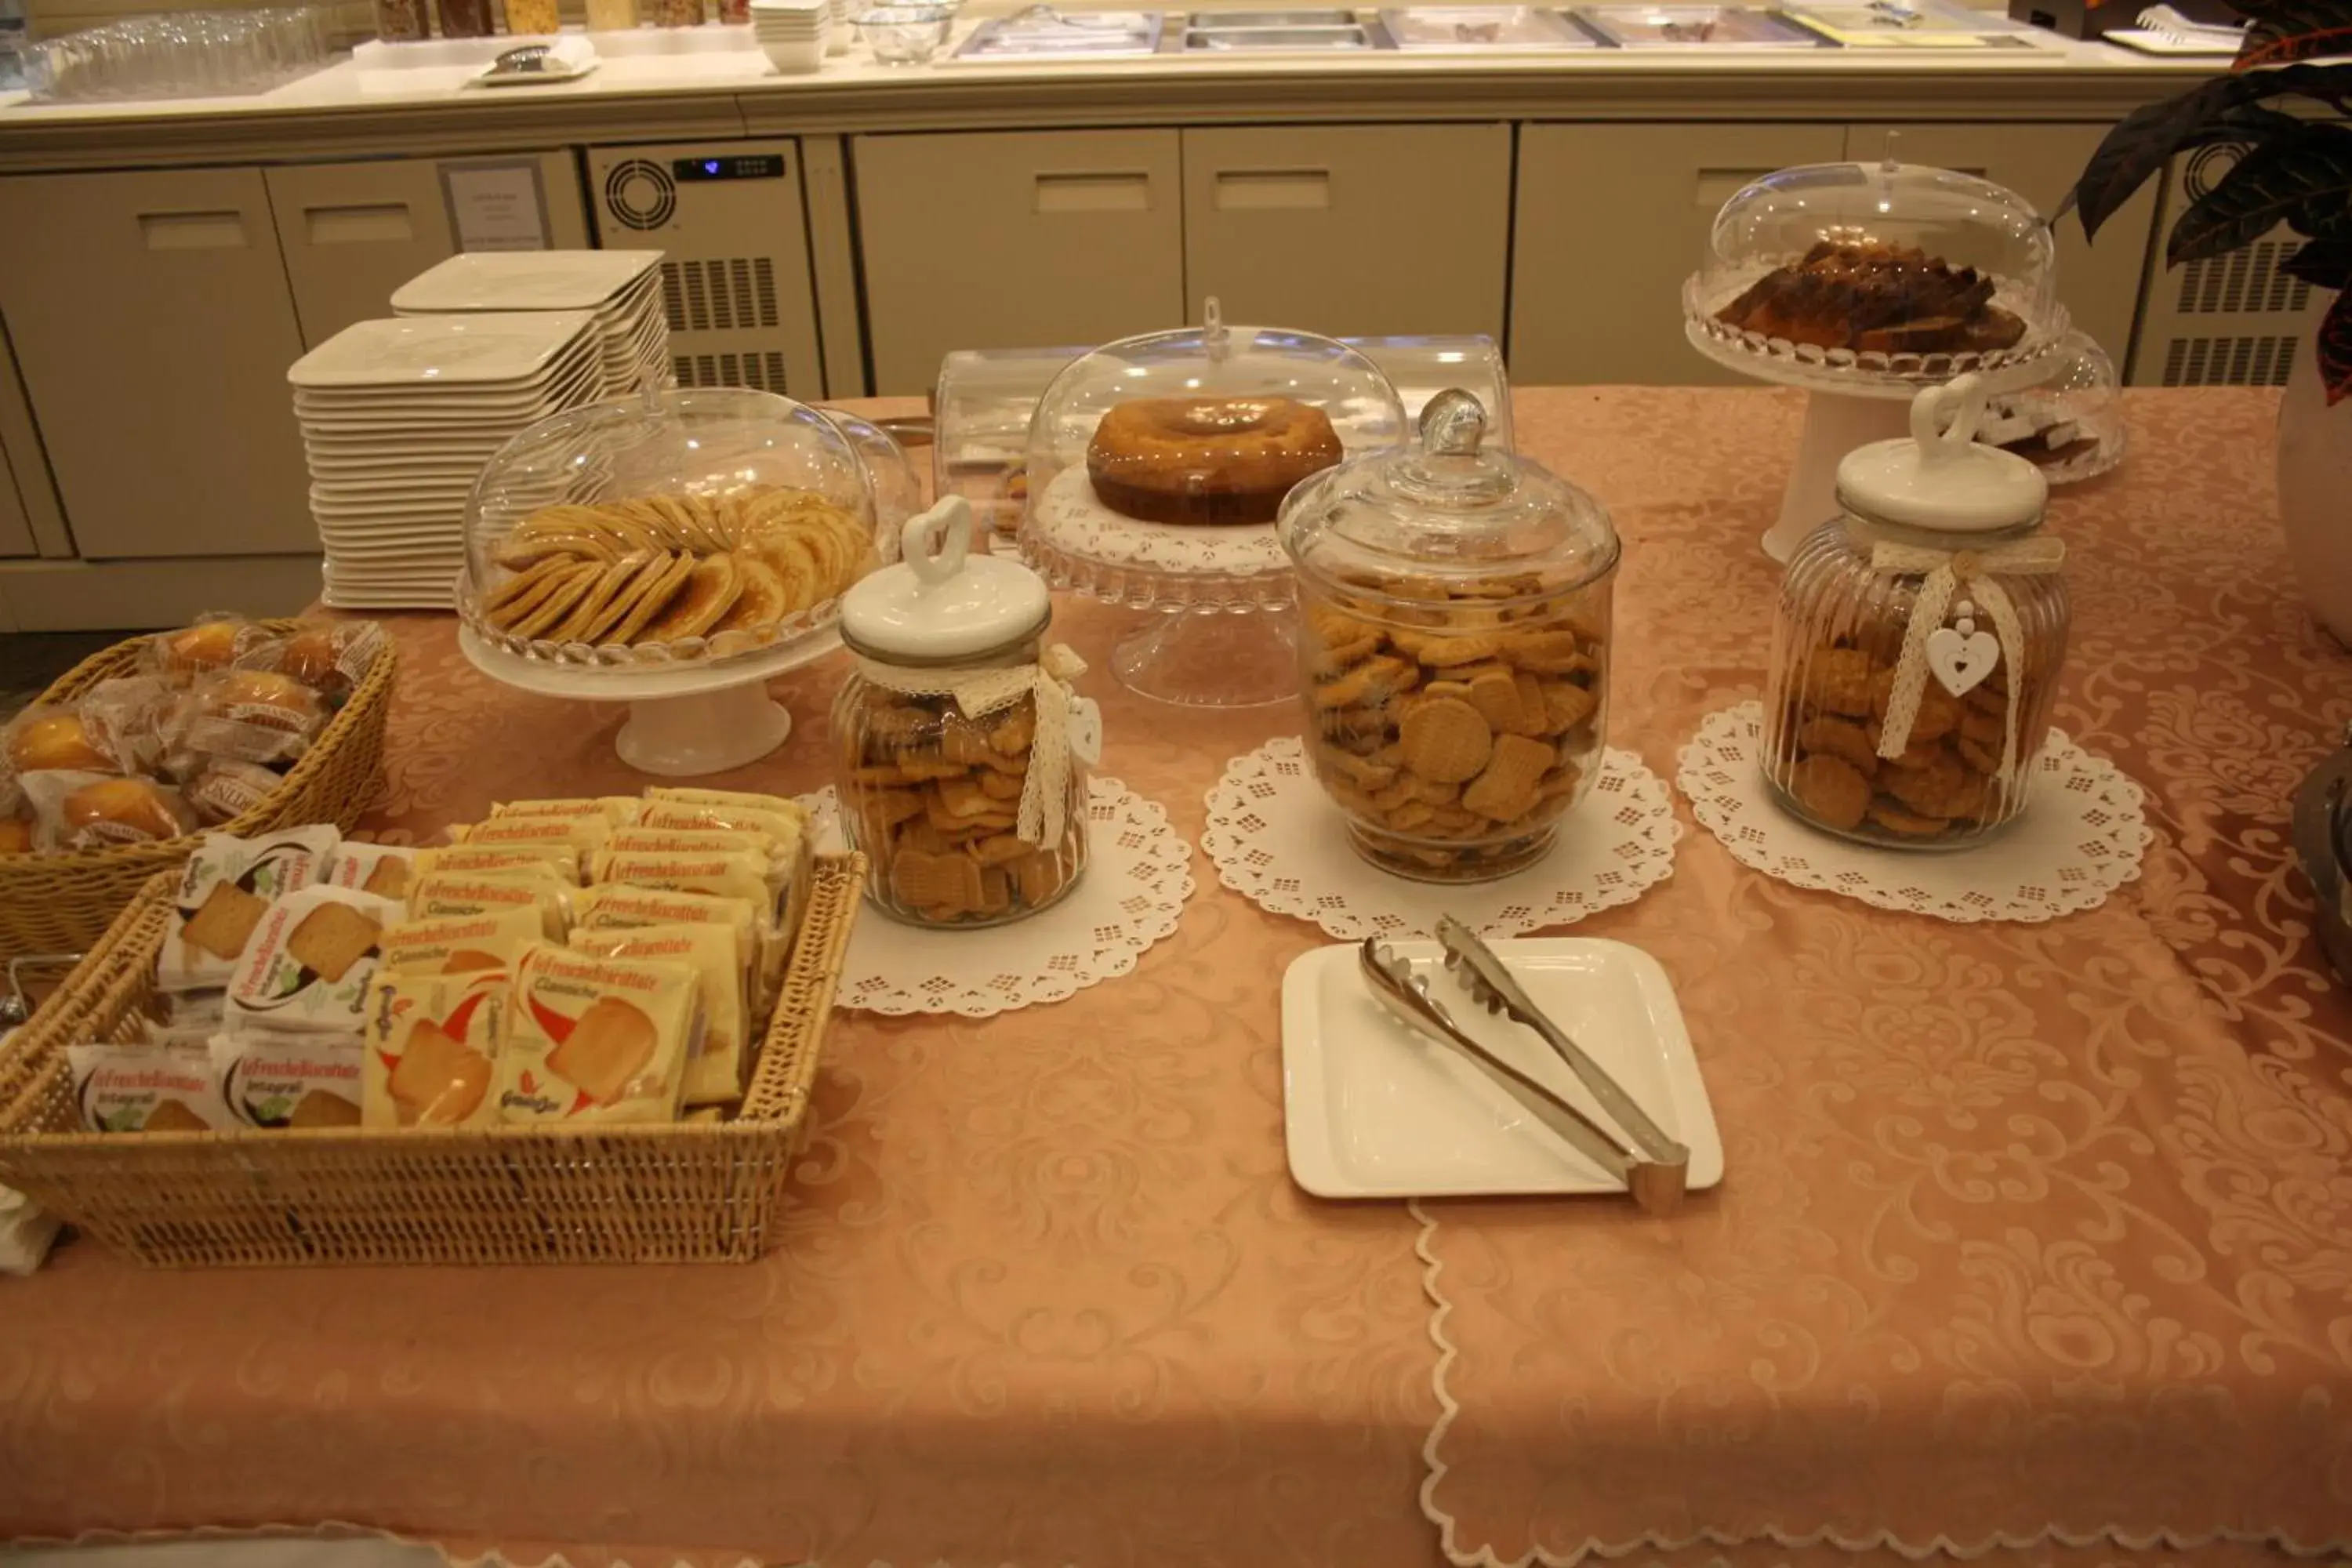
x=2025, y=1232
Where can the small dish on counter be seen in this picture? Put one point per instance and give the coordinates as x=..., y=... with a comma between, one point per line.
x=1372, y=1110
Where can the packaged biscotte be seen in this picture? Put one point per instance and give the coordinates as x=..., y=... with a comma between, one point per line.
x=1918, y=641
x=1453, y=644
x=960, y=750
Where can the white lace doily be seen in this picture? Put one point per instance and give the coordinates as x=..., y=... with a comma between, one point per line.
x=1139, y=874
x=1277, y=838
x=1073, y=522
x=2080, y=838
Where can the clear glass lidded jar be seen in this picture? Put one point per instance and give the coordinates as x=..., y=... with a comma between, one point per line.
x=1454, y=644
x=960, y=751
x=1919, y=639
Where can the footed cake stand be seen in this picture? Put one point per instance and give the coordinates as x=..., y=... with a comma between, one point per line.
x=1855, y=399
x=1224, y=631
x=685, y=721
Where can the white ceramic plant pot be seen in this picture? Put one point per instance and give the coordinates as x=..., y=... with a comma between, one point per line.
x=2314, y=486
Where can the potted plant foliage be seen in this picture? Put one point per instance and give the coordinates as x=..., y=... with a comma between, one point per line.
x=2295, y=170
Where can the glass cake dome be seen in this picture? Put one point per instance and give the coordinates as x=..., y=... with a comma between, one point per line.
x=1203, y=428
x=678, y=527
x=1870, y=270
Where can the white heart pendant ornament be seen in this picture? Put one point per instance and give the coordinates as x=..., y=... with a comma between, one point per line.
x=1086, y=729
x=1960, y=656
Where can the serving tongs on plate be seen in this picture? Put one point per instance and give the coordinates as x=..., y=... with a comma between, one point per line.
x=1652, y=1166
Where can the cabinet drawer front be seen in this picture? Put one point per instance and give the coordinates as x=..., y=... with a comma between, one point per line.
x=352, y=233
x=1350, y=230
x=1008, y=240
x=1610, y=219
x=153, y=324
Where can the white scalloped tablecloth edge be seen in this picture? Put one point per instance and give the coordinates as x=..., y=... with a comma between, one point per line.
x=1449, y=1528
x=1716, y=770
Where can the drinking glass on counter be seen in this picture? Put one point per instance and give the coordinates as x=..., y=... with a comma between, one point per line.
x=191, y=54
x=906, y=35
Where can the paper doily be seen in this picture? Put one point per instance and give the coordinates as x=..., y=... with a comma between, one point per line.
x=2080, y=838
x=1073, y=522
x=1278, y=840
x=1139, y=874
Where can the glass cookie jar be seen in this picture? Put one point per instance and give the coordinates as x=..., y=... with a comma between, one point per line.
x=960, y=751
x=1453, y=644
x=1919, y=639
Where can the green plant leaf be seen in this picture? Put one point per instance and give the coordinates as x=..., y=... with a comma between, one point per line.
x=2225, y=109
x=2310, y=170
x=2282, y=31
x=2138, y=145
x=2334, y=346
x=2323, y=264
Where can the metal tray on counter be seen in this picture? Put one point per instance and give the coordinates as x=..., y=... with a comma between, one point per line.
x=1481, y=29
x=1695, y=27
x=1041, y=33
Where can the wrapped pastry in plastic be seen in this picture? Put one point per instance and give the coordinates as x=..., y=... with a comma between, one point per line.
x=92, y=811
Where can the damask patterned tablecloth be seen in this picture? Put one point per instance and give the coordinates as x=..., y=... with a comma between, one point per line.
x=2023, y=1227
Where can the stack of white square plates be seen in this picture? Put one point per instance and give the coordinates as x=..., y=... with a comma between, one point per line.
x=398, y=418
x=622, y=289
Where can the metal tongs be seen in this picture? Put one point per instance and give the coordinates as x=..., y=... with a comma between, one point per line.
x=1652, y=1166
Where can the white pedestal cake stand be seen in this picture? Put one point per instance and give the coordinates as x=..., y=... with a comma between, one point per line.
x=1224, y=632
x=1851, y=403
x=684, y=721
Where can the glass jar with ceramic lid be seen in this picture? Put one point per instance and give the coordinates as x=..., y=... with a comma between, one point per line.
x=1453, y=644
x=960, y=750
x=1919, y=639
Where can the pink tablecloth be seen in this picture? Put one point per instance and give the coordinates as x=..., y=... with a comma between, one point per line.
x=2017, y=1221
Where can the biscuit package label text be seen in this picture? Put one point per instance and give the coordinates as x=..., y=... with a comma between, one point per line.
x=310, y=961
x=597, y=1040
x=432, y=1044
x=289, y=1080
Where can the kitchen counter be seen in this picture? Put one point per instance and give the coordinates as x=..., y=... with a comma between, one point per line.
x=344, y=110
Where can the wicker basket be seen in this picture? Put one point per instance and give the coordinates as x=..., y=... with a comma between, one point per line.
x=63, y=902
x=675, y=1193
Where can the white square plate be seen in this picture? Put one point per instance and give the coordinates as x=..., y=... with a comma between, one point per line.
x=1371, y=1110
x=505, y=348
x=524, y=281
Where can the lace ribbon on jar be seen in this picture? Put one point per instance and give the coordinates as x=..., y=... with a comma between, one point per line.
x=1944, y=572
x=979, y=692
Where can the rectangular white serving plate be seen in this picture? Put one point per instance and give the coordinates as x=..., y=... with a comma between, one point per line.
x=1371, y=1110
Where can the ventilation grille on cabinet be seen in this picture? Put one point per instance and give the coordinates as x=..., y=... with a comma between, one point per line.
x=2247, y=279
x=640, y=194
x=719, y=295
x=761, y=372
x=2228, y=361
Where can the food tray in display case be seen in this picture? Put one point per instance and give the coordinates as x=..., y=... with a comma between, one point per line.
x=1155, y=468
x=1694, y=27
x=1884, y=25
x=1042, y=32
x=1479, y=29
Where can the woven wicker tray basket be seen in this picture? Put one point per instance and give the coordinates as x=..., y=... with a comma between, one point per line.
x=63, y=902
x=673, y=1193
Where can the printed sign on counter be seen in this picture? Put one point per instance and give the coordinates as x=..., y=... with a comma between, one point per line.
x=496, y=206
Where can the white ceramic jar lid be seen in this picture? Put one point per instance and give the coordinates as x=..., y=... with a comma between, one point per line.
x=940, y=603
x=1942, y=478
